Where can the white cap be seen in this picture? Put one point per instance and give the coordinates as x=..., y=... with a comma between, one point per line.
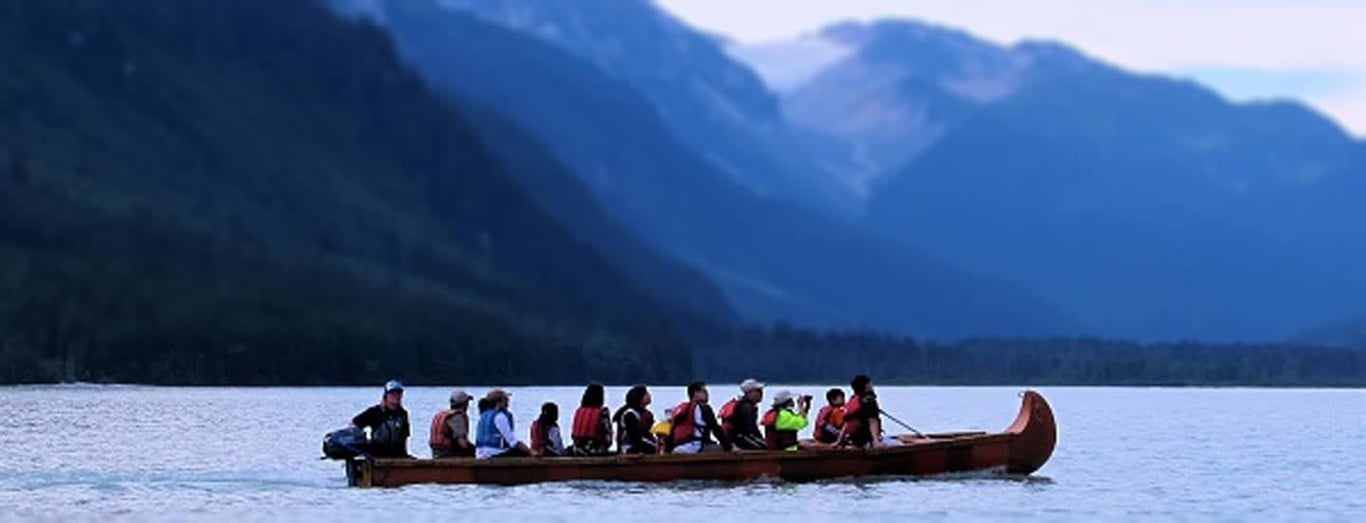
x=750, y=385
x=783, y=396
x=459, y=397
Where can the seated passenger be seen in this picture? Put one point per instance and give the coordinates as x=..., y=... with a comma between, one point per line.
x=592, y=429
x=830, y=420
x=450, y=432
x=782, y=423
x=496, y=435
x=635, y=422
x=740, y=417
x=863, y=417
x=388, y=424
x=693, y=424
x=545, y=433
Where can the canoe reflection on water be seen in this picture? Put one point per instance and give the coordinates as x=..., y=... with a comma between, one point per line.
x=1017, y=451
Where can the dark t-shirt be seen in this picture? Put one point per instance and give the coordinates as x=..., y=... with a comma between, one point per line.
x=389, y=430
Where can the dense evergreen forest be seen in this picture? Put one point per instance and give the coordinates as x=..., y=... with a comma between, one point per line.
x=256, y=192
x=807, y=356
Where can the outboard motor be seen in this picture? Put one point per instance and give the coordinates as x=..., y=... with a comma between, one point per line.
x=347, y=444
x=344, y=443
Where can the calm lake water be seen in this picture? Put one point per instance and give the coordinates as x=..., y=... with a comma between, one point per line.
x=148, y=453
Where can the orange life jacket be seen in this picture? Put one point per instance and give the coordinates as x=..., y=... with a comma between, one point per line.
x=726, y=412
x=685, y=423
x=440, y=437
x=589, y=426
x=829, y=421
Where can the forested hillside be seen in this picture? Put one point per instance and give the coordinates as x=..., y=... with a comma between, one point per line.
x=256, y=191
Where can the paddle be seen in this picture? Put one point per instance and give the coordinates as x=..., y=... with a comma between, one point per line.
x=902, y=423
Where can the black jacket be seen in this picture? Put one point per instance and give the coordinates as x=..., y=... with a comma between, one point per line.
x=744, y=426
x=389, y=430
x=632, y=438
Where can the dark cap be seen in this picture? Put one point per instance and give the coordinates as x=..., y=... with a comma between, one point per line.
x=497, y=395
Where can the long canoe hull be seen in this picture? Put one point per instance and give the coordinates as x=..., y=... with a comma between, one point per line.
x=1021, y=449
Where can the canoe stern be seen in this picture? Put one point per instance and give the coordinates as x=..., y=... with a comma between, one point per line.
x=1036, y=433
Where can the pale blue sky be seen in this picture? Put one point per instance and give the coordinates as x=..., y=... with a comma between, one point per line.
x=1313, y=50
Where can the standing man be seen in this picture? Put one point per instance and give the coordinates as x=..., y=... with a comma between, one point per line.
x=693, y=423
x=740, y=416
x=496, y=436
x=387, y=423
x=862, y=419
x=450, y=432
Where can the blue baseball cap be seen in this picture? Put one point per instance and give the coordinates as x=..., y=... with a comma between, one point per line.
x=392, y=386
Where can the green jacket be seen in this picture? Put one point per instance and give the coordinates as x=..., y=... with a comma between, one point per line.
x=788, y=420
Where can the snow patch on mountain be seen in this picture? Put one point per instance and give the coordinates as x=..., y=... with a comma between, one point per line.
x=786, y=65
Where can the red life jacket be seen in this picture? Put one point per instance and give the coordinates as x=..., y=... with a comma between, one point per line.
x=856, y=432
x=774, y=438
x=539, y=436
x=685, y=423
x=829, y=421
x=440, y=437
x=589, y=426
x=726, y=412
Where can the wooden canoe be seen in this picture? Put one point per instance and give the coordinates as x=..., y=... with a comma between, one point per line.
x=1021, y=449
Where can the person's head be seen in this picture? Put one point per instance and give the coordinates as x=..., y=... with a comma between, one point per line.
x=484, y=405
x=393, y=394
x=593, y=396
x=834, y=397
x=460, y=400
x=861, y=384
x=697, y=392
x=499, y=399
x=550, y=413
x=638, y=397
x=783, y=399
x=752, y=390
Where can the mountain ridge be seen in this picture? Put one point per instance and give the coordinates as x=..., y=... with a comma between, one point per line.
x=776, y=260
x=716, y=106
x=1150, y=206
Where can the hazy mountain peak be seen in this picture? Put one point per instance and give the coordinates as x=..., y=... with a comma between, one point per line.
x=887, y=90
x=850, y=32
x=1058, y=56
x=786, y=65
x=710, y=101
